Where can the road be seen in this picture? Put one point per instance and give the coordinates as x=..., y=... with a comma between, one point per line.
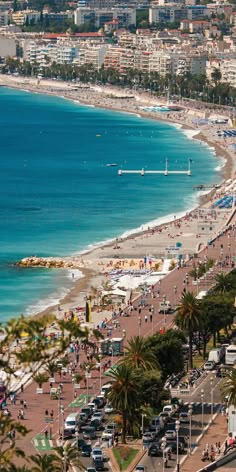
x=201, y=416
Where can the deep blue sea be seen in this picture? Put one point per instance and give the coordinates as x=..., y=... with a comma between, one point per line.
x=57, y=195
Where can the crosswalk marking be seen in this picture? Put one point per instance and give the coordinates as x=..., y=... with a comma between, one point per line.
x=41, y=443
x=196, y=404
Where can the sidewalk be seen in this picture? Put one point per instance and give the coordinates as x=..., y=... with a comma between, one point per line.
x=216, y=432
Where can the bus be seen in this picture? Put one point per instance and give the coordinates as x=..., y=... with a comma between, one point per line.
x=230, y=355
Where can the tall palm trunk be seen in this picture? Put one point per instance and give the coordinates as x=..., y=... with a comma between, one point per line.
x=190, y=349
x=124, y=426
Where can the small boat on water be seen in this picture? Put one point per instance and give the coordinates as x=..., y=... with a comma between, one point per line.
x=111, y=165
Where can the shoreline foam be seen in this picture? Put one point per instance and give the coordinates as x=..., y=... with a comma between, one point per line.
x=189, y=131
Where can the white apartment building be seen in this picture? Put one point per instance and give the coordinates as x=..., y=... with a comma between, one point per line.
x=228, y=71
x=44, y=54
x=20, y=17
x=91, y=55
x=125, y=16
x=112, y=57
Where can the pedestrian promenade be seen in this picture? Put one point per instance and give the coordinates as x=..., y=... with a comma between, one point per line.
x=217, y=432
x=224, y=251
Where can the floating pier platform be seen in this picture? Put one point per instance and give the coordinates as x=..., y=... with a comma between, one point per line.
x=165, y=171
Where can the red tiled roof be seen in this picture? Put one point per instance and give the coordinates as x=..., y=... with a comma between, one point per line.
x=88, y=35
x=54, y=35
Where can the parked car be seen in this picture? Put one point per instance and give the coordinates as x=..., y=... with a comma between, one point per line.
x=184, y=417
x=97, y=454
x=209, y=365
x=90, y=469
x=221, y=372
x=97, y=424
x=141, y=468
x=154, y=450
x=108, y=409
x=89, y=433
x=98, y=415
x=170, y=409
x=173, y=445
x=148, y=436
x=170, y=434
x=99, y=465
x=106, y=435
x=165, y=416
x=86, y=450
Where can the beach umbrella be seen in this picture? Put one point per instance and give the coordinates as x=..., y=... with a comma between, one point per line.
x=178, y=244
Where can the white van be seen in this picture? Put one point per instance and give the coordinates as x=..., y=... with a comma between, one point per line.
x=216, y=355
x=105, y=388
x=72, y=420
x=170, y=409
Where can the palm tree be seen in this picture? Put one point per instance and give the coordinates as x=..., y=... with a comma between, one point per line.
x=14, y=468
x=52, y=368
x=71, y=455
x=45, y=463
x=223, y=283
x=188, y=318
x=216, y=75
x=229, y=387
x=125, y=395
x=40, y=379
x=138, y=355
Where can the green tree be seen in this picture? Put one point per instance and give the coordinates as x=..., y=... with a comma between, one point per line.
x=188, y=318
x=71, y=455
x=228, y=387
x=138, y=356
x=125, y=395
x=216, y=75
x=223, y=283
x=40, y=379
x=167, y=348
x=52, y=368
x=45, y=463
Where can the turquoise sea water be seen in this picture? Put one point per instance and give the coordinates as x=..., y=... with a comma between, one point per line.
x=57, y=195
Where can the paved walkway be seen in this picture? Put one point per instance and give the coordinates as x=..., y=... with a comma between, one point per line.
x=217, y=432
x=34, y=414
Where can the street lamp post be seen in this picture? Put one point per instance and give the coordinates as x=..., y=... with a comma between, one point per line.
x=62, y=429
x=177, y=426
x=77, y=438
x=202, y=397
x=164, y=305
x=186, y=278
x=152, y=312
x=190, y=412
x=163, y=446
x=175, y=292
x=59, y=409
x=212, y=400
x=124, y=336
x=142, y=424
x=139, y=325
x=112, y=354
x=87, y=383
x=100, y=370
x=197, y=273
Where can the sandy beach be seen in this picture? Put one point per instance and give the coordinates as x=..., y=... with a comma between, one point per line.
x=156, y=242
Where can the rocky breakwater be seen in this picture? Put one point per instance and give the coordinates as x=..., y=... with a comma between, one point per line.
x=49, y=262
